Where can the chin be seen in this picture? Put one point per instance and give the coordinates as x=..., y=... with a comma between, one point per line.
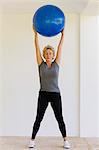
x=48, y=60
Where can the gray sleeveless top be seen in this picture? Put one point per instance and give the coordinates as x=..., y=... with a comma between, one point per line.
x=49, y=77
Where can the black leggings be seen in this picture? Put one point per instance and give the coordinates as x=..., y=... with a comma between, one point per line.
x=55, y=100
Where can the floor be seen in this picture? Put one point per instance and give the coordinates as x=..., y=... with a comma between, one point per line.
x=48, y=143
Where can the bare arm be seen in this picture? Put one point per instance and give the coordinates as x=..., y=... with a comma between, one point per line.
x=38, y=54
x=59, y=49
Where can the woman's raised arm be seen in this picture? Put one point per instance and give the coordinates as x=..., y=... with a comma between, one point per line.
x=59, y=49
x=38, y=54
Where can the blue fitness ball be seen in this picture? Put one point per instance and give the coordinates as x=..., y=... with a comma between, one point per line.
x=49, y=20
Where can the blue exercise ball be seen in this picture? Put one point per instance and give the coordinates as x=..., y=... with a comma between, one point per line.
x=49, y=20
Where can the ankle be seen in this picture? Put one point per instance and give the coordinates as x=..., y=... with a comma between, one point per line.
x=32, y=139
x=65, y=138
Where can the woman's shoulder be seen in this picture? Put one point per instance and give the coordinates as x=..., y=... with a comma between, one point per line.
x=56, y=63
x=41, y=63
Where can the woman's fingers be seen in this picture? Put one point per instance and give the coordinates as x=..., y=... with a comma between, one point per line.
x=62, y=31
x=34, y=30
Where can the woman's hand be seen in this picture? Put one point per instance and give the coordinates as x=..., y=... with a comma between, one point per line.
x=34, y=31
x=62, y=32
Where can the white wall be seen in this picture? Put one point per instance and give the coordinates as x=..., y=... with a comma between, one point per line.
x=98, y=72
x=20, y=82
x=89, y=79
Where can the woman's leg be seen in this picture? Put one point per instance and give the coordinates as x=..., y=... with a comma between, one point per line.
x=41, y=108
x=57, y=108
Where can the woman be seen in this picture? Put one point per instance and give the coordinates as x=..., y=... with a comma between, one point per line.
x=49, y=90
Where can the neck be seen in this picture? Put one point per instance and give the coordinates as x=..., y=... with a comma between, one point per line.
x=49, y=63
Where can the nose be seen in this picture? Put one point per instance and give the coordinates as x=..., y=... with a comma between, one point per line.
x=48, y=55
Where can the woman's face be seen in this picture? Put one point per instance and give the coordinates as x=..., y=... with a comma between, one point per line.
x=48, y=55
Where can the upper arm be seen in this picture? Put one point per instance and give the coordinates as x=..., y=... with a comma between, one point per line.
x=38, y=53
x=59, y=50
x=57, y=61
x=40, y=61
x=58, y=55
x=38, y=57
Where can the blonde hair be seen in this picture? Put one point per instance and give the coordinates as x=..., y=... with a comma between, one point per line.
x=48, y=47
